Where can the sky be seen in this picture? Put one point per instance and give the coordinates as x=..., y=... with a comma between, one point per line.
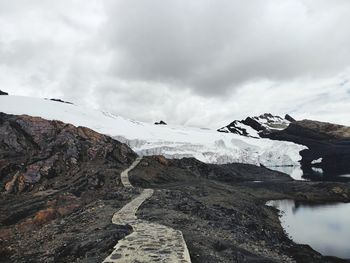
x=200, y=63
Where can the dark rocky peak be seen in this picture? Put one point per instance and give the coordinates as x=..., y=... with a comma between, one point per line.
x=240, y=128
x=268, y=121
x=3, y=93
x=62, y=101
x=160, y=123
x=254, y=126
x=289, y=118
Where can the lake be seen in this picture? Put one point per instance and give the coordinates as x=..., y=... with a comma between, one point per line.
x=326, y=228
x=315, y=174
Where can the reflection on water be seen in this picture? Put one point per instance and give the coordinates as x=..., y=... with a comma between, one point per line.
x=294, y=171
x=313, y=174
x=326, y=228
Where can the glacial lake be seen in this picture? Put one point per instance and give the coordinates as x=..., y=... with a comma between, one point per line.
x=316, y=174
x=326, y=228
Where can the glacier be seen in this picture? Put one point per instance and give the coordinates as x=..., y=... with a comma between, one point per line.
x=172, y=141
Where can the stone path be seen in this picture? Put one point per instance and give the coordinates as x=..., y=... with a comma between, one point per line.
x=149, y=242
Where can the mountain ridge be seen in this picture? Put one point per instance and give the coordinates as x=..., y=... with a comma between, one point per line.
x=257, y=125
x=328, y=145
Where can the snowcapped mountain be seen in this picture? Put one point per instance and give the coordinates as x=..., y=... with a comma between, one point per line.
x=169, y=140
x=256, y=126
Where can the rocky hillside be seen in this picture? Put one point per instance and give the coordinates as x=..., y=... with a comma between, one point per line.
x=328, y=153
x=221, y=209
x=323, y=130
x=59, y=189
x=328, y=145
x=60, y=186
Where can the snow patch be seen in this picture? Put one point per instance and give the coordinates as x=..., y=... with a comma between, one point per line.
x=319, y=160
x=317, y=170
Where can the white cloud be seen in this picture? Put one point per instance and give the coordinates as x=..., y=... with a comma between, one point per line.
x=199, y=63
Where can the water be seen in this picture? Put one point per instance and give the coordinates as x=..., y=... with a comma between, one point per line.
x=326, y=228
x=293, y=171
x=315, y=174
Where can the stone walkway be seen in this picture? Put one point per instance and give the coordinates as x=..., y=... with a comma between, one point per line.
x=149, y=242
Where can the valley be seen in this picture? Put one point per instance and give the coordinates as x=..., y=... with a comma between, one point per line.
x=86, y=197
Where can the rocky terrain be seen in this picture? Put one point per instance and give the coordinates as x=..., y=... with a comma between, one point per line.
x=221, y=208
x=328, y=153
x=61, y=185
x=328, y=147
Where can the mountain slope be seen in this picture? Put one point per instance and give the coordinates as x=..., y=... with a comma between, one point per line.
x=255, y=126
x=327, y=155
x=56, y=180
x=171, y=141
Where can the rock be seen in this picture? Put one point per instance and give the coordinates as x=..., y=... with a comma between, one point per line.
x=220, y=245
x=44, y=216
x=62, y=101
x=9, y=186
x=162, y=160
x=5, y=233
x=257, y=125
x=59, y=190
x=289, y=118
x=326, y=142
x=38, y=150
x=160, y=123
x=66, y=210
x=3, y=93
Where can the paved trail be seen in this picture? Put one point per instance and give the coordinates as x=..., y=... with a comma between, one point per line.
x=149, y=242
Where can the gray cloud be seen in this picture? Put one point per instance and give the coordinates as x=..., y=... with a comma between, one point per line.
x=213, y=46
x=199, y=63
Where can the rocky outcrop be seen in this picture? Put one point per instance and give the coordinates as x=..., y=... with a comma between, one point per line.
x=328, y=152
x=36, y=153
x=160, y=123
x=62, y=101
x=255, y=126
x=289, y=118
x=60, y=185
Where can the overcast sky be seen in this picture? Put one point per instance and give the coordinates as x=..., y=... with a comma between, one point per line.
x=199, y=63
